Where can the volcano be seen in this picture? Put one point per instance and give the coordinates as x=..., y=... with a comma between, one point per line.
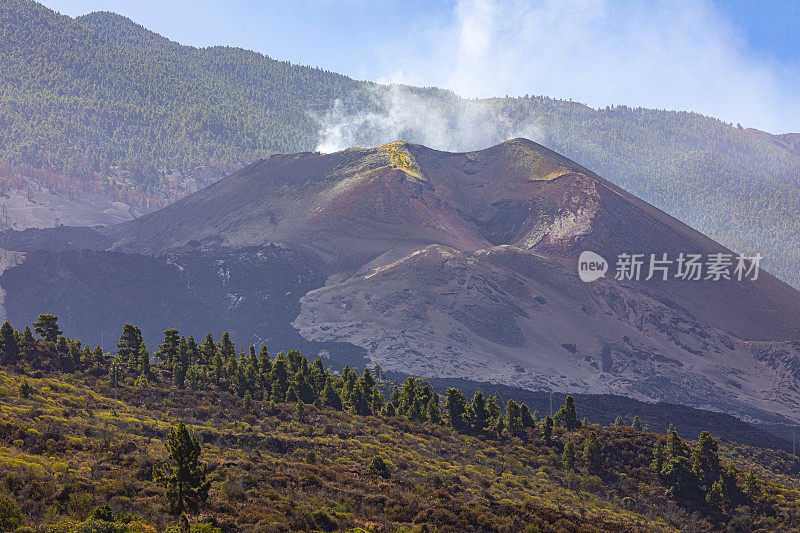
x=437, y=264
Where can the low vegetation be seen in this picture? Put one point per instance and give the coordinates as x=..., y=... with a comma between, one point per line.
x=200, y=437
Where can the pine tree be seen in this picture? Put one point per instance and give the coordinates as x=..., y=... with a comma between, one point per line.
x=547, y=430
x=65, y=357
x=129, y=346
x=142, y=382
x=74, y=354
x=568, y=456
x=87, y=357
x=368, y=380
x=217, y=366
x=331, y=398
x=500, y=426
x=751, y=487
x=675, y=446
x=715, y=498
x=228, y=352
x=46, y=326
x=192, y=353
x=291, y=393
x=168, y=350
x=360, y=399
x=407, y=395
x=98, y=355
x=456, y=407
x=493, y=408
x=377, y=401
x=730, y=481
x=636, y=424
x=252, y=357
x=247, y=401
x=593, y=453
x=305, y=385
x=184, y=475
x=318, y=376
x=378, y=467
x=513, y=417
x=27, y=338
x=9, y=344
x=433, y=414
x=348, y=382
x=566, y=415
x=208, y=350
x=480, y=414
x=294, y=360
x=193, y=377
x=705, y=459
x=680, y=479
x=178, y=375
x=144, y=361
x=280, y=379
x=265, y=369
x=415, y=413
x=527, y=418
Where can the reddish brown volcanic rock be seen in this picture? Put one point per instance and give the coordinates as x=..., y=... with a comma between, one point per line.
x=464, y=265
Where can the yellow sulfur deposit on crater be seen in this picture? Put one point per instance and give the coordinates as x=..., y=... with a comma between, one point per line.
x=401, y=158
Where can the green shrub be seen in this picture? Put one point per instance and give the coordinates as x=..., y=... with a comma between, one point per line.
x=377, y=466
x=10, y=515
x=102, y=512
x=324, y=521
x=25, y=388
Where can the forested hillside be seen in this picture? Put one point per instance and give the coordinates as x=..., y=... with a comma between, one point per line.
x=105, y=100
x=194, y=437
x=105, y=106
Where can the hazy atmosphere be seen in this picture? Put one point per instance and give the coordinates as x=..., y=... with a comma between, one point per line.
x=716, y=58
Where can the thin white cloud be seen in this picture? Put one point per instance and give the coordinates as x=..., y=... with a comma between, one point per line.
x=673, y=55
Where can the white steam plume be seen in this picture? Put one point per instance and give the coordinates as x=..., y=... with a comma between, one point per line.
x=437, y=119
x=663, y=54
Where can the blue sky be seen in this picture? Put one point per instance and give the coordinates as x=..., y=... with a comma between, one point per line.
x=738, y=60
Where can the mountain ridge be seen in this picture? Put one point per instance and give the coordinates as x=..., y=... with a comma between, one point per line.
x=210, y=111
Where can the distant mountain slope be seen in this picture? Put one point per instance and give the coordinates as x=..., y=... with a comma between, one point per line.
x=101, y=96
x=126, y=110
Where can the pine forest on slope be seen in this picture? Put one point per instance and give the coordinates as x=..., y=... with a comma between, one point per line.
x=104, y=105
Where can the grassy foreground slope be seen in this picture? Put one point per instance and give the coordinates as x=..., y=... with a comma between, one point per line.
x=80, y=430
